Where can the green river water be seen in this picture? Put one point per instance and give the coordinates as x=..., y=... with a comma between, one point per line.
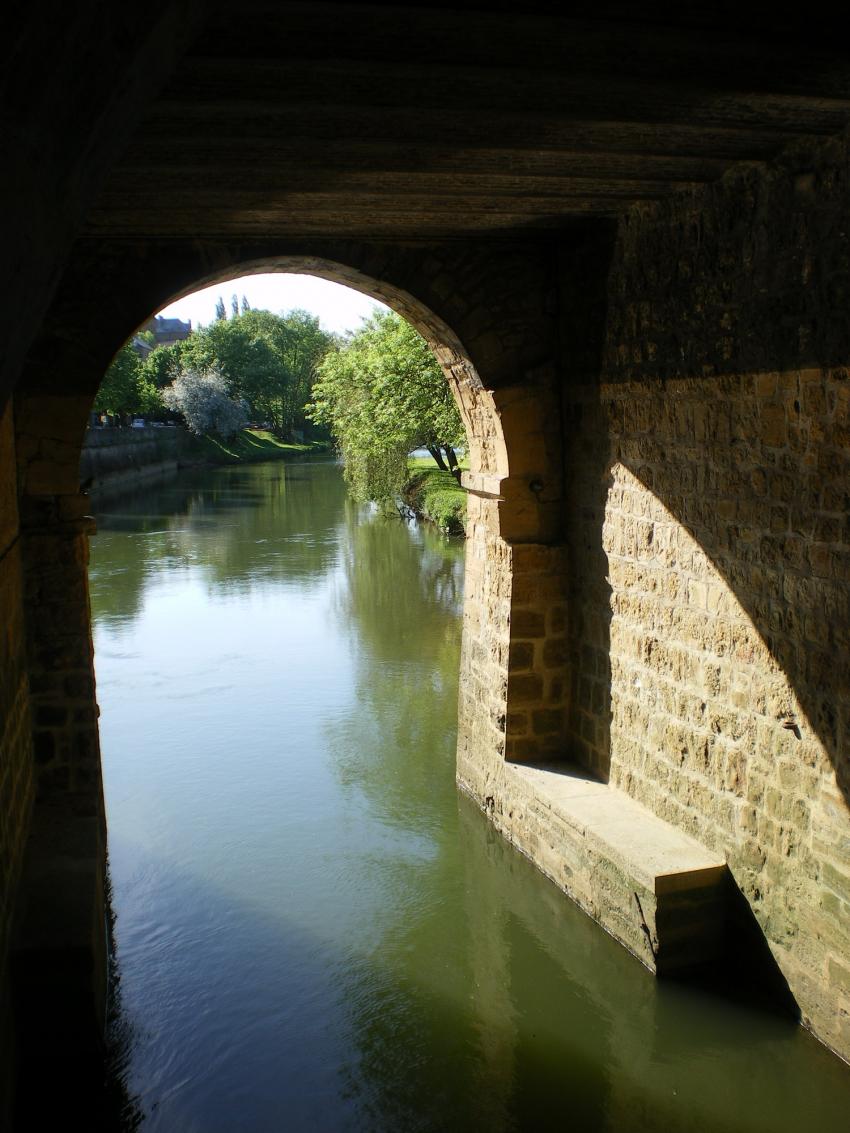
x=314, y=929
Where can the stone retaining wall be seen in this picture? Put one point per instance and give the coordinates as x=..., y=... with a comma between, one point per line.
x=114, y=457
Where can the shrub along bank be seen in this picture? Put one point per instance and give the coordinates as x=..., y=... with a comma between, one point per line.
x=435, y=495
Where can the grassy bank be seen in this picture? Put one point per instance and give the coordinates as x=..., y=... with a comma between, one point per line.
x=248, y=445
x=435, y=495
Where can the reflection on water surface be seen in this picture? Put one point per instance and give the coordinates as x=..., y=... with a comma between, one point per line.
x=314, y=930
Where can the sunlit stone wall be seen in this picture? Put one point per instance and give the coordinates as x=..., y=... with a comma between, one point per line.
x=482, y=694
x=708, y=521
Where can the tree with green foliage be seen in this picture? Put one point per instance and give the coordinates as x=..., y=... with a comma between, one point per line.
x=267, y=360
x=162, y=365
x=298, y=345
x=126, y=389
x=382, y=394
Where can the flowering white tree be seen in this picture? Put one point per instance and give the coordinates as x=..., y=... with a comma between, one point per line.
x=203, y=399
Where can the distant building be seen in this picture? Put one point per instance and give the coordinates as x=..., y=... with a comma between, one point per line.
x=166, y=331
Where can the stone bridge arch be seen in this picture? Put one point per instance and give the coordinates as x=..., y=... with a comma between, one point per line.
x=501, y=361
x=615, y=282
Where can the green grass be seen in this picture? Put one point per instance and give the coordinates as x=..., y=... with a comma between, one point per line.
x=436, y=495
x=250, y=444
x=426, y=463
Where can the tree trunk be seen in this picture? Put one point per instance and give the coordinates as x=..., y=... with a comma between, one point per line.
x=453, y=464
x=438, y=457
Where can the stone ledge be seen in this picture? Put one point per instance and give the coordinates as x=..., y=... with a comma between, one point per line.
x=654, y=888
x=484, y=484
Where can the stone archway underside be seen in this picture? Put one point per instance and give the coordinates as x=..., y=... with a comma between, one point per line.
x=636, y=225
x=578, y=396
x=489, y=359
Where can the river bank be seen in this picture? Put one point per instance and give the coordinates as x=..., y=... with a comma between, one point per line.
x=435, y=495
x=116, y=459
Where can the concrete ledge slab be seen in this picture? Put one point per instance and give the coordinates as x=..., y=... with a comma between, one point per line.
x=657, y=890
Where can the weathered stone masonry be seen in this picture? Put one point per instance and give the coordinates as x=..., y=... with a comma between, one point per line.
x=709, y=493
x=651, y=362
x=57, y=939
x=16, y=771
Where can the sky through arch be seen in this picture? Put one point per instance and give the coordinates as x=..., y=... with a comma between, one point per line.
x=339, y=307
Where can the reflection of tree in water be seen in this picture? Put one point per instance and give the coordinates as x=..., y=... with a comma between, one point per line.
x=260, y=525
x=432, y=1011
x=402, y=601
x=404, y=582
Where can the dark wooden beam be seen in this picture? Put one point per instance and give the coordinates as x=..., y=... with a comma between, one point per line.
x=470, y=129
x=224, y=86
x=628, y=46
x=401, y=156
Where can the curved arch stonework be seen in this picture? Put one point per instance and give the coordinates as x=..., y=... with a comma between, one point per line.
x=501, y=366
x=503, y=374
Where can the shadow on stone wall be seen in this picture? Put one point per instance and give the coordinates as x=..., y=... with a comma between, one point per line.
x=710, y=616
x=747, y=972
x=584, y=265
x=765, y=504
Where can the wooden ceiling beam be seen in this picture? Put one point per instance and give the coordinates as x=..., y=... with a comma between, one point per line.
x=628, y=46
x=330, y=181
x=472, y=130
x=403, y=156
x=225, y=86
x=227, y=223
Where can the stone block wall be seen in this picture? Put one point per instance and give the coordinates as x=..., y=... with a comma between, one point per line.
x=537, y=687
x=482, y=693
x=513, y=686
x=16, y=773
x=16, y=770
x=708, y=474
x=114, y=451
x=16, y=776
x=55, y=532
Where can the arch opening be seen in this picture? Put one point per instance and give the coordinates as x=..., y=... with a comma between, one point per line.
x=510, y=705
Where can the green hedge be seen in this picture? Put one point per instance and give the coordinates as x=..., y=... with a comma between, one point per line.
x=437, y=496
